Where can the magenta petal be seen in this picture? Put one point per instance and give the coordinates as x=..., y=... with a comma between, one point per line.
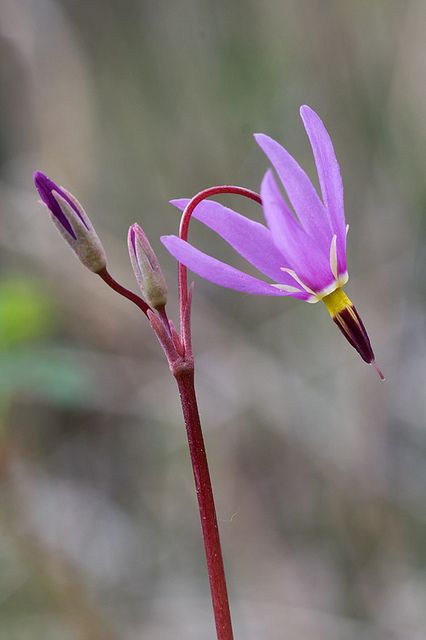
x=327, y=167
x=329, y=177
x=309, y=208
x=252, y=240
x=284, y=227
x=300, y=251
x=218, y=272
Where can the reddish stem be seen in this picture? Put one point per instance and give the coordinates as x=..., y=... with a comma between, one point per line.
x=185, y=380
x=116, y=286
x=182, y=366
x=184, y=227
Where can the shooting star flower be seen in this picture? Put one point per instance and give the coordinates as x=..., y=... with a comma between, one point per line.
x=304, y=256
x=72, y=222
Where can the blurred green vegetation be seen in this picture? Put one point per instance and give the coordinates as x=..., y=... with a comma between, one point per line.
x=26, y=312
x=29, y=361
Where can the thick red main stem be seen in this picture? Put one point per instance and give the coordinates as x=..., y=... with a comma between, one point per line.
x=185, y=381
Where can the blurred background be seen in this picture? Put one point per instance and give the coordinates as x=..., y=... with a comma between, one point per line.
x=319, y=470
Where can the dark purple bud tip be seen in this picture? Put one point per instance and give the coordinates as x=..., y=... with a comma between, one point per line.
x=45, y=186
x=72, y=222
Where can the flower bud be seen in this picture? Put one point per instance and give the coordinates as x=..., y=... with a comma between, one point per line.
x=72, y=222
x=147, y=269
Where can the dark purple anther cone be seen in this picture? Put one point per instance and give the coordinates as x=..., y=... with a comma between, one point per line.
x=45, y=186
x=350, y=324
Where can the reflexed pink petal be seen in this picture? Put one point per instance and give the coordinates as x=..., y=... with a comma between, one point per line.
x=218, y=272
x=329, y=178
x=300, y=251
x=252, y=240
x=302, y=195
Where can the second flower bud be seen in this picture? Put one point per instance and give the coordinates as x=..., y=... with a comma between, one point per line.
x=147, y=268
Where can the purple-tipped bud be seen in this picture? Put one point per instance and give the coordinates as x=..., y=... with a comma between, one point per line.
x=147, y=268
x=72, y=222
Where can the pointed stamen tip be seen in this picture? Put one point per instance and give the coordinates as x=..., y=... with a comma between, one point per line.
x=378, y=370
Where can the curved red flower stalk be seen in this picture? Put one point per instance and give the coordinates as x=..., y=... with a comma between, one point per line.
x=184, y=228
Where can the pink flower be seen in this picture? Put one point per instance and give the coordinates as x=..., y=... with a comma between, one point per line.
x=302, y=255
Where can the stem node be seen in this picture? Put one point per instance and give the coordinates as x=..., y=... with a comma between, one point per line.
x=182, y=368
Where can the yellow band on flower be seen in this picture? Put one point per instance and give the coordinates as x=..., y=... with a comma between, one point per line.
x=336, y=302
x=344, y=314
